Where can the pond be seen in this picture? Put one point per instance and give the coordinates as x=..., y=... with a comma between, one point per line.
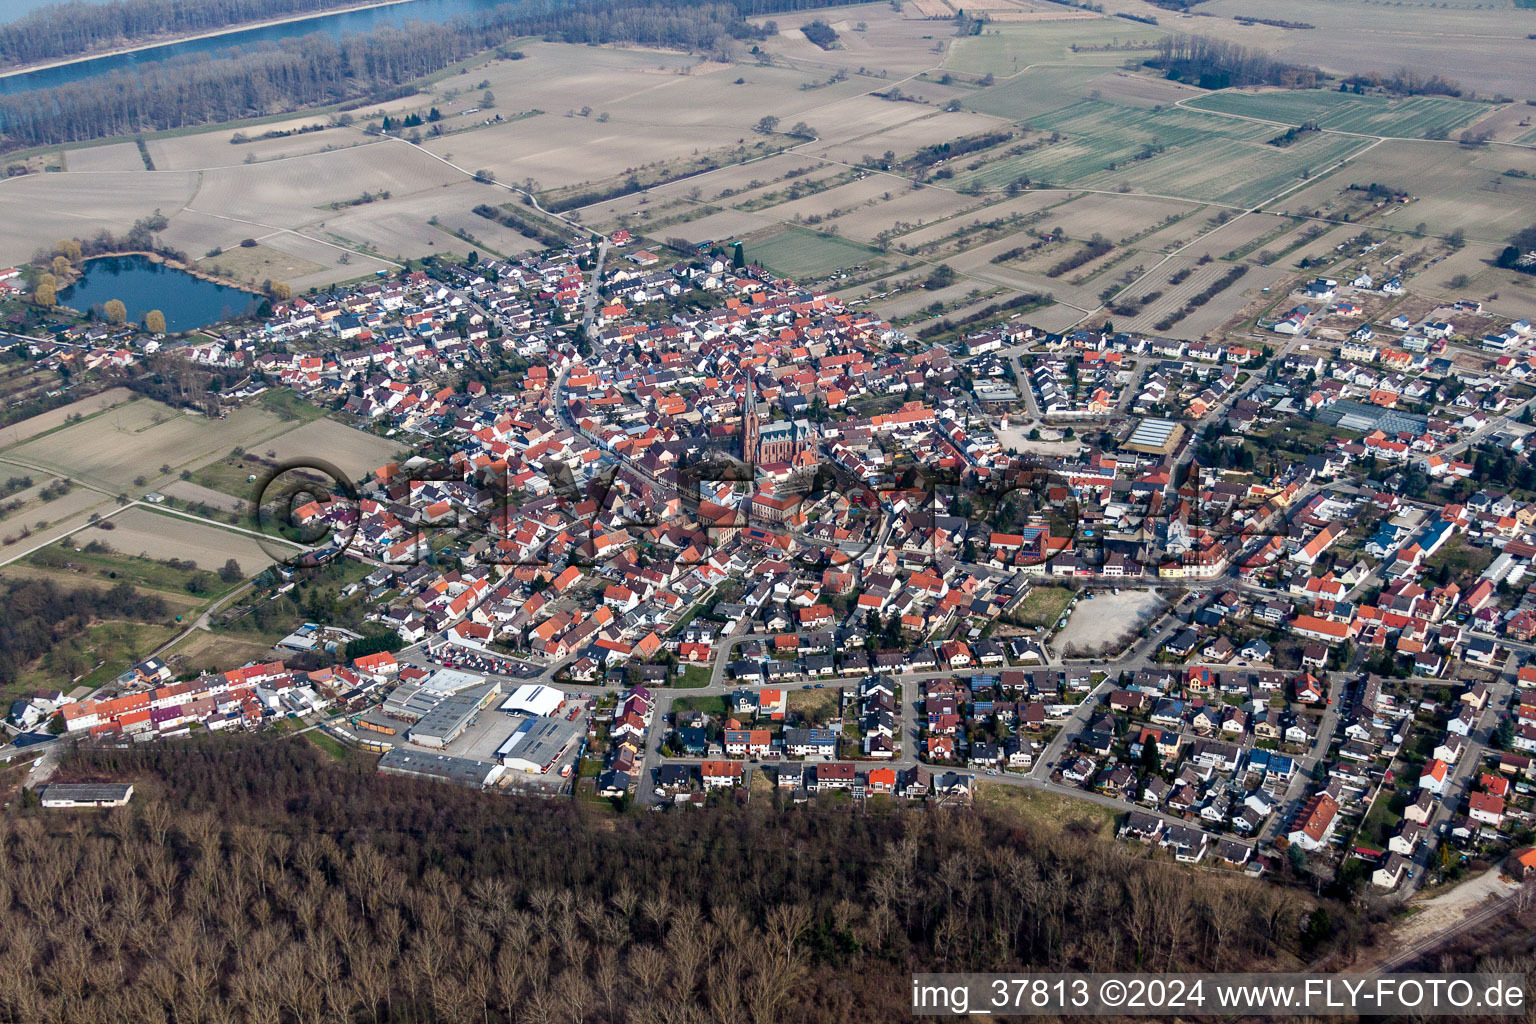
x=188, y=302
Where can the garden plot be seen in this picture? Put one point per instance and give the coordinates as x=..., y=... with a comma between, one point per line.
x=119, y=156
x=38, y=208
x=295, y=192
x=1467, y=190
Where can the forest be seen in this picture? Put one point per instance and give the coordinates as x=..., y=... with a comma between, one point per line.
x=318, y=70
x=1217, y=64
x=255, y=879
x=72, y=29
x=40, y=616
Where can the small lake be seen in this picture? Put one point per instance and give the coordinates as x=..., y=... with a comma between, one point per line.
x=188, y=302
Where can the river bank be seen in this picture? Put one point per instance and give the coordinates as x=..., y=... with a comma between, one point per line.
x=171, y=40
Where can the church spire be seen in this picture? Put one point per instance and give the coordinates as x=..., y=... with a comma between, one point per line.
x=749, y=424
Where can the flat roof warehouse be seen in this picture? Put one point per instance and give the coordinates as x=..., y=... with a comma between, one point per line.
x=537, y=743
x=1155, y=436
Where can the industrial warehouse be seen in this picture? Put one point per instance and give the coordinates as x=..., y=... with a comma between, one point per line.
x=458, y=732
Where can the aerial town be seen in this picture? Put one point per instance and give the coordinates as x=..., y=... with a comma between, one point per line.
x=765, y=511
x=731, y=538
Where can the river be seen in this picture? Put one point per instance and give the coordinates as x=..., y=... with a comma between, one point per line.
x=344, y=23
x=142, y=284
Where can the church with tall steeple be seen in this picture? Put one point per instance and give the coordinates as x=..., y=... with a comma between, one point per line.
x=779, y=441
x=751, y=432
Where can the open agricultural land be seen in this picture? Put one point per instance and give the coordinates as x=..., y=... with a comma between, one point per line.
x=904, y=148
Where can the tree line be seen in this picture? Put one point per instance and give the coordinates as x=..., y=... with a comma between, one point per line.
x=71, y=29
x=254, y=879
x=320, y=70
x=41, y=615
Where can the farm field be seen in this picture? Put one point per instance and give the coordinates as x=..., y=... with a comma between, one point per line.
x=63, y=509
x=1481, y=45
x=907, y=206
x=117, y=156
x=351, y=450
x=1113, y=147
x=294, y=192
x=804, y=254
x=399, y=228
x=55, y=418
x=1038, y=91
x=214, y=149
x=1469, y=192
x=138, y=531
x=34, y=206
x=906, y=138
x=108, y=563
x=188, y=490
x=902, y=44
x=1005, y=49
x=111, y=450
x=1414, y=117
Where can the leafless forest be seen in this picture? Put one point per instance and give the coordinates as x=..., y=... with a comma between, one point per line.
x=254, y=880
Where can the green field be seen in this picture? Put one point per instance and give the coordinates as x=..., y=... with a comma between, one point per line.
x=1042, y=606
x=1415, y=117
x=1197, y=156
x=1005, y=49
x=804, y=254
